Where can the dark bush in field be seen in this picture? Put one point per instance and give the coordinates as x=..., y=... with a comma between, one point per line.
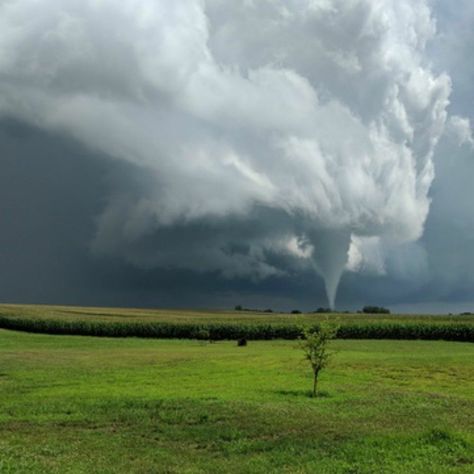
x=296, y=311
x=234, y=331
x=375, y=310
x=242, y=342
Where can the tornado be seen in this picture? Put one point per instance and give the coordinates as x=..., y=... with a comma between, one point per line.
x=330, y=257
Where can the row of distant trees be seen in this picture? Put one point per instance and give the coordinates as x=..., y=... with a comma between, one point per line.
x=365, y=309
x=253, y=310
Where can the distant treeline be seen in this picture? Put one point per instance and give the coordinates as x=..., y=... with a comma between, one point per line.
x=235, y=331
x=365, y=309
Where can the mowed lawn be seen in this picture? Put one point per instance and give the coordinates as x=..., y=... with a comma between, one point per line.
x=83, y=404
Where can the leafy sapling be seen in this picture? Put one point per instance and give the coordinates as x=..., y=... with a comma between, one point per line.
x=314, y=344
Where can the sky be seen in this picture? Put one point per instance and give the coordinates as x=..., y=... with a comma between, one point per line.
x=206, y=153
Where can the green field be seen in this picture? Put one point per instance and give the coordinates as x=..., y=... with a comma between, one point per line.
x=72, y=404
x=228, y=325
x=209, y=316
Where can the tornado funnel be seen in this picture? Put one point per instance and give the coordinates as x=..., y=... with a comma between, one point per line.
x=330, y=256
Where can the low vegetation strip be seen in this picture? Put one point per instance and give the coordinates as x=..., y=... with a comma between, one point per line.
x=230, y=331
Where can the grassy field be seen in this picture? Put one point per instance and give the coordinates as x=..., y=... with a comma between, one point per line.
x=209, y=316
x=71, y=404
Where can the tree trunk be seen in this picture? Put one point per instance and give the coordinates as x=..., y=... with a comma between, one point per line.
x=315, y=384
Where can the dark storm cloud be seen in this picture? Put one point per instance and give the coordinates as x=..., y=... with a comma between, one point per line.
x=49, y=194
x=174, y=154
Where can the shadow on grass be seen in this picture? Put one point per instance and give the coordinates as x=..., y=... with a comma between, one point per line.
x=302, y=393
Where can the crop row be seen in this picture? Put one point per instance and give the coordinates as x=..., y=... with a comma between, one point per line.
x=233, y=331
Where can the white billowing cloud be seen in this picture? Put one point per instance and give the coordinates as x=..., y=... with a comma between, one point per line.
x=460, y=129
x=366, y=255
x=323, y=113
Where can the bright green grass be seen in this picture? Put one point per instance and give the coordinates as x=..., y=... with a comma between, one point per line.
x=82, y=404
x=207, y=316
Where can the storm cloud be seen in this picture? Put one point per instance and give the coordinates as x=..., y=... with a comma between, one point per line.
x=238, y=148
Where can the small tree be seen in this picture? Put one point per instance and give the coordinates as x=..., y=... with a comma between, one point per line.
x=315, y=347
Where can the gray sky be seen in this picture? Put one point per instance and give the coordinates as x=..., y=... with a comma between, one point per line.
x=209, y=153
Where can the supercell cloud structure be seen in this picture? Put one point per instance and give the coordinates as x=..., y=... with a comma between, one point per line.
x=266, y=138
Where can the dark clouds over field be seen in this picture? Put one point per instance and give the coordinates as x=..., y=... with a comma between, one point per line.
x=215, y=153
